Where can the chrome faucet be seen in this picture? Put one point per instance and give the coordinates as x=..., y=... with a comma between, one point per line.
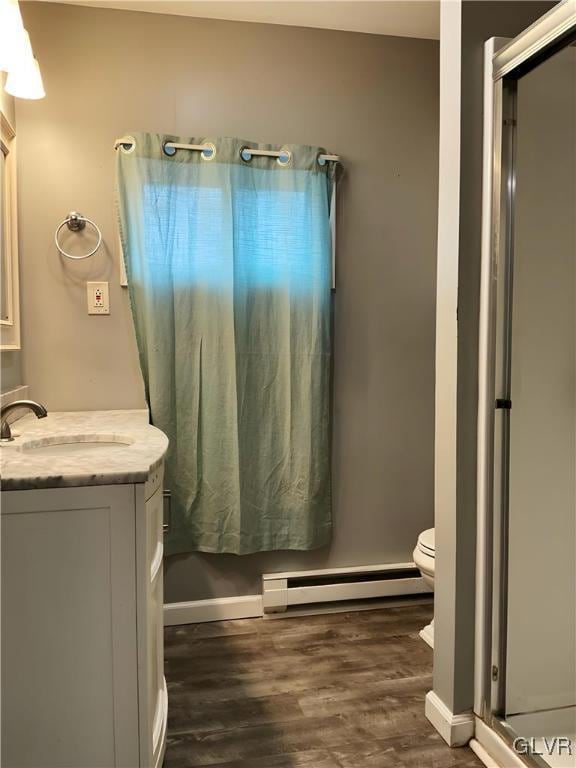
x=5, y=432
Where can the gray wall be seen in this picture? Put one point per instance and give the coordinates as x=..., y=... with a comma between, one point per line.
x=372, y=99
x=11, y=375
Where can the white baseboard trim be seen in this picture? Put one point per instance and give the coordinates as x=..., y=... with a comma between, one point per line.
x=481, y=753
x=456, y=730
x=427, y=634
x=500, y=754
x=250, y=607
x=216, y=609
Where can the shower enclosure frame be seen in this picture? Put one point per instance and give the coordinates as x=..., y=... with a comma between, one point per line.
x=505, y=61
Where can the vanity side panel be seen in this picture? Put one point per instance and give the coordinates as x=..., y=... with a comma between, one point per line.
x=152, y=687
x=69, y=674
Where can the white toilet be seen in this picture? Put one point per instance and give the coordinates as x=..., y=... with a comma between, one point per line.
x=423, y=555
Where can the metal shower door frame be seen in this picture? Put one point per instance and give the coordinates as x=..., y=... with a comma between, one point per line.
x=505, y=62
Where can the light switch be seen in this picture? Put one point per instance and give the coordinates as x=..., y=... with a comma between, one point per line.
x=98, y=300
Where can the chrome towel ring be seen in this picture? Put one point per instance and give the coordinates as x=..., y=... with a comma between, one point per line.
x=76, y=223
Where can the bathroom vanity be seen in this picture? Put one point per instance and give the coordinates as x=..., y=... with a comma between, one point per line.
x=82, y=625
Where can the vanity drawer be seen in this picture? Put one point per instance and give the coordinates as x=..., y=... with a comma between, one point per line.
x=154, y=534
x=152, y=689
x=155, y=662
x=153, y=701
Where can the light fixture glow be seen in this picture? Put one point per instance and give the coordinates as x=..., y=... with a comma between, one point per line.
x=14, y=42
x=16, y=58
x=26, y=81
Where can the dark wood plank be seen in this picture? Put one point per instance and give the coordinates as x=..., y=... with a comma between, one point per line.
x=328, y=691
x=270, y=739
x=310, y=759
x=187, y=716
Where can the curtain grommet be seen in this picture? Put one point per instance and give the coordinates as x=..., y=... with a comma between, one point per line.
x=127, y=144
x=168, y=151
x=209, y=152
x=321, y=160
x=284, y=159
x=245, y=154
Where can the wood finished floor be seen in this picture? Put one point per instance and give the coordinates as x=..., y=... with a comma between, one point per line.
x=332, y=691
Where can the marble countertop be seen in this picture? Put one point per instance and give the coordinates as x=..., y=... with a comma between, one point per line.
x=132, y=462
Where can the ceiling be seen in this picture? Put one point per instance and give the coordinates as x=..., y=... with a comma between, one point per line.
x=403, y=18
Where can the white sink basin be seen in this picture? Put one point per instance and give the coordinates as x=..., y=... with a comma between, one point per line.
x=75, y=445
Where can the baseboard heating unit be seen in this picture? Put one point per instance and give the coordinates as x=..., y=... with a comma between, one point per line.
x=281, y=591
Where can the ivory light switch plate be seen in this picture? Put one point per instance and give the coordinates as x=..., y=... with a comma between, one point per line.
x=98, y=300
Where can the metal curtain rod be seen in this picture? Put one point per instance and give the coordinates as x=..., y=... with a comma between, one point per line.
x=127, y=144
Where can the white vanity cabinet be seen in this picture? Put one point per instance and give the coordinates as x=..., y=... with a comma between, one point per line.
x=82, y=642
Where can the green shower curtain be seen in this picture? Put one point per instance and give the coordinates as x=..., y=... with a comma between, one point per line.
x=229, y=273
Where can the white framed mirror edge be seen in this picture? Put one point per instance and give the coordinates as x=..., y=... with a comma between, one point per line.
x=10, y=326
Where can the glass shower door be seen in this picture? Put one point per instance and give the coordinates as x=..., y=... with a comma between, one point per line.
x=539, y=606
